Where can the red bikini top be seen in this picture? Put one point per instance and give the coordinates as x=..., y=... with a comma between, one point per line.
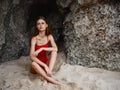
x=40, y=46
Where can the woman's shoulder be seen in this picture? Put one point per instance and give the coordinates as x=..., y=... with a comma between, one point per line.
x=34, y=38
x=50, y=36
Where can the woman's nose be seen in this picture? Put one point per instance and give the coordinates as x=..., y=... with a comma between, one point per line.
x=40, y=24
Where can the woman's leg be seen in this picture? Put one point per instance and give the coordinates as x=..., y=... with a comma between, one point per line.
x=52, y=60
x=32, y=70
x=40, y=71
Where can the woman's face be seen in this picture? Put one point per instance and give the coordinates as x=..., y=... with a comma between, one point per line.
x=41, y=25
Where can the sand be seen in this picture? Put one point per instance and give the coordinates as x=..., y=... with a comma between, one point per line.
x=15, y=75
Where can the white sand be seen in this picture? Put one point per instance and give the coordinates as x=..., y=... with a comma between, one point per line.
x=15, y=75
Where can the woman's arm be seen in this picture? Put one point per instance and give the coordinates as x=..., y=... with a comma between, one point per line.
x=32, y=50
x=53, y=44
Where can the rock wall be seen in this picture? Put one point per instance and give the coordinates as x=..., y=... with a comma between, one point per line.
x=92, y=33
x=14, y=41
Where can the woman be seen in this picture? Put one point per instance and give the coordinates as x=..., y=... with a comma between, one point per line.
x=39, y=46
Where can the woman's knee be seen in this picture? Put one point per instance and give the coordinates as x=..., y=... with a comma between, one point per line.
x=34, y=64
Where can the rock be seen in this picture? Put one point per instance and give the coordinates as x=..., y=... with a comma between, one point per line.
x=14, y=39
x=92, y=36
x=64, y=3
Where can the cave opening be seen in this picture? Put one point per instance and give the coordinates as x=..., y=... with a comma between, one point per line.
x=50, y=10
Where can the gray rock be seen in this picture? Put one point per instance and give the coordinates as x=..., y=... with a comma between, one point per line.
x=14, y=41
x=64, y=3
x=92, y=36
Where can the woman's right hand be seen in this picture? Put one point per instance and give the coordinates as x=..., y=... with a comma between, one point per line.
x=37, y=52
x=49, y=73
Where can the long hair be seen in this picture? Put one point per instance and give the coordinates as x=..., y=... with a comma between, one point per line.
x=36, y=31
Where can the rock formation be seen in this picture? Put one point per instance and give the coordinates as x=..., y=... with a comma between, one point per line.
x=92, y=33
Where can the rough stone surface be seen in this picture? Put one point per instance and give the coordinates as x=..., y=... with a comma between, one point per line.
x=64, y=3
x=92, y=35
x=14, y=41
x=3, y=10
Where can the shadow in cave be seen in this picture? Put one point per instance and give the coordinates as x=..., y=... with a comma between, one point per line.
x=40, y=8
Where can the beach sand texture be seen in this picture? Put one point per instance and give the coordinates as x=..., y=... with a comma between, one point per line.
x=15, y=75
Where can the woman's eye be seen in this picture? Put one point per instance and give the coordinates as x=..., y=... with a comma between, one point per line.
x=42, y=23
x=38, y=23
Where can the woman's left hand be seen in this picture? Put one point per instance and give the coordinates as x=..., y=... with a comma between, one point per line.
x=49, y=73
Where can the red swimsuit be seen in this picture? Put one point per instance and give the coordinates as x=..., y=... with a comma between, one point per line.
x=42, y=55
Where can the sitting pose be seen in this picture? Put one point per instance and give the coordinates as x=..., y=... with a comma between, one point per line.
x=42, y=42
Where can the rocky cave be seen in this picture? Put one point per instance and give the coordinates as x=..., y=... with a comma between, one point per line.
x=87, y=31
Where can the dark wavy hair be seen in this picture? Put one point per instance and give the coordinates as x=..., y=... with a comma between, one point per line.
x=36, y=31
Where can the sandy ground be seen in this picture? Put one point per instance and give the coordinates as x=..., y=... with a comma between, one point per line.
x=15, y=75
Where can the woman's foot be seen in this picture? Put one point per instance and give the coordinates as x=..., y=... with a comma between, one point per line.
x=49, y=73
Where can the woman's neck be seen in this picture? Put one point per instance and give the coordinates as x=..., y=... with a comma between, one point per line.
x=41, y=34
